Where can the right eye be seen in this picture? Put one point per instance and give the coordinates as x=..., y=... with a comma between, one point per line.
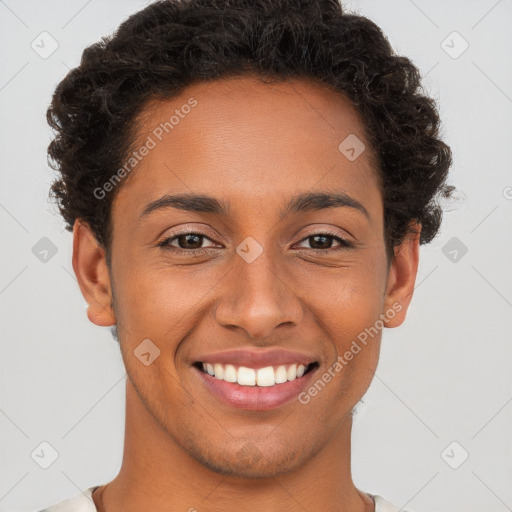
x=184, y=239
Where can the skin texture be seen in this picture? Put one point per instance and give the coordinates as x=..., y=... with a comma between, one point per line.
x=255, y=146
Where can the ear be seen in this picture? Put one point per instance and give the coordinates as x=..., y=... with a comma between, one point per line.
x=90, y=266
x=402, y=277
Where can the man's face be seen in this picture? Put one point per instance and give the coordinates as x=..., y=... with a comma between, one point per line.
x=249, y=279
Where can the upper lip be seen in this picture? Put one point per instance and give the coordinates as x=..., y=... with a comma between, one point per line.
x=257, y=358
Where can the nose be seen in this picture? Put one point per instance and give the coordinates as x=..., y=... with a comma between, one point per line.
x=258, y=297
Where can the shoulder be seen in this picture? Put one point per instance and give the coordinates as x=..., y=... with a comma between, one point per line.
x=383, y=505
x=82, y=502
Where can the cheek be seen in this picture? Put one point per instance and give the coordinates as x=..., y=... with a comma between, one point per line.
x=155, y=301
x=347, y=314
x=347, y=308
x=346, y=300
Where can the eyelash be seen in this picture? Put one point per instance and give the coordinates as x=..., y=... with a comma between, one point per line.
x=165, y=244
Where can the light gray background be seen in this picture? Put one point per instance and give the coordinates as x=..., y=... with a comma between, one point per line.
x=444, y=375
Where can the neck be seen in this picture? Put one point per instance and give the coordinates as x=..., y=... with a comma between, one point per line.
x=157, y=474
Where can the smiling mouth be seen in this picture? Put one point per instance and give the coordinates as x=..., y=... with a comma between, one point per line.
x=267, y=376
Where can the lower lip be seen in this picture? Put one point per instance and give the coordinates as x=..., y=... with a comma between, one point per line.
x=255, y=398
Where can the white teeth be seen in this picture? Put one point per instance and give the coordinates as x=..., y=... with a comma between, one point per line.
x=246, y=376
x=230, y=373
x=262, y=377
x=281, y=375
x=219, y=371
x=265, y=376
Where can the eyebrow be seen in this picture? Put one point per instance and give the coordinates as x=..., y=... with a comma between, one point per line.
x=309, y=201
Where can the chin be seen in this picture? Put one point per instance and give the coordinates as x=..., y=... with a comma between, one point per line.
x=250, y=461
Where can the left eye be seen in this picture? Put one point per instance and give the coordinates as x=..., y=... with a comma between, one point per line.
x=323, y=238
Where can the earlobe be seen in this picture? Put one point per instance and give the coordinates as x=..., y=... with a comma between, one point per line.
x=90, y=266
x=401, y=279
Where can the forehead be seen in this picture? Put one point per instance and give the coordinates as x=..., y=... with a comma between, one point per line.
x=251, y=141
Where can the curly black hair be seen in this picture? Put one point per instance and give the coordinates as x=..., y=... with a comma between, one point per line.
x=159, y=51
